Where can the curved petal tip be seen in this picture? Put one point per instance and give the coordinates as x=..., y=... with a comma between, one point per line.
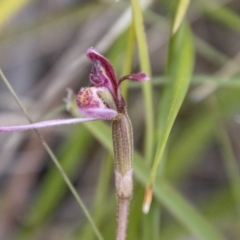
x=141, y=77
x=91, y=53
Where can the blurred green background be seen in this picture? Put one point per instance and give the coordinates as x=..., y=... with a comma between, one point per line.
x=42, y=53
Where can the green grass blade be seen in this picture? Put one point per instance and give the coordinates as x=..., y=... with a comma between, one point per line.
x=147, y=86
x=180, y=67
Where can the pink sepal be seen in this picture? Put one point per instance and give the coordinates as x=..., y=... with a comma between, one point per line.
x=140, y=77
x=102, y=73
x=99, y=113
x=44, y=124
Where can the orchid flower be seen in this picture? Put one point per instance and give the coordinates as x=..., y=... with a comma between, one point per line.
x=103, y=100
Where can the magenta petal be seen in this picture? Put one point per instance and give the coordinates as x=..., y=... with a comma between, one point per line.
x=102, y=73
x=100, y=113
x=140, y=77
x=43, y=124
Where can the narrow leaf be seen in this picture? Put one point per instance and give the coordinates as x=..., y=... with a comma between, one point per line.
x=180, y=65
x=145, y=67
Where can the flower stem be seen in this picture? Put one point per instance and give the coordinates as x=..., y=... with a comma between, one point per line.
x=123, y=205
x=122, y=143
x=123, y=155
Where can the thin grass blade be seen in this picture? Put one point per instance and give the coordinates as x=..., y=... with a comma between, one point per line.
x=180, y=65
x=147, y=86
